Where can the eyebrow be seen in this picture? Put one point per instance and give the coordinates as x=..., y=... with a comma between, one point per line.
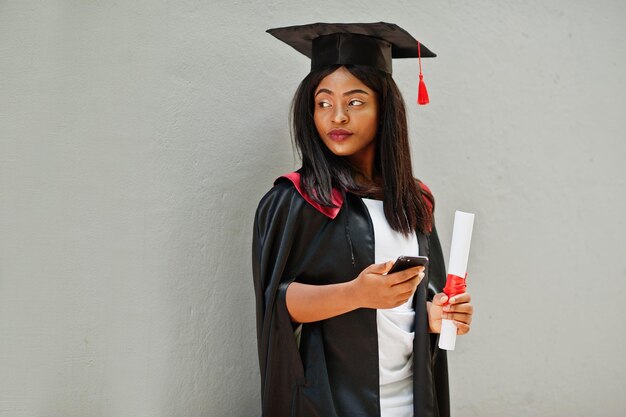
x=347, y=93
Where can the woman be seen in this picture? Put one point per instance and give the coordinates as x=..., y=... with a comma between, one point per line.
x=337, y=336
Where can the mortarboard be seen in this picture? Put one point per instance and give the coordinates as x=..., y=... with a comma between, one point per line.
x=371, y=44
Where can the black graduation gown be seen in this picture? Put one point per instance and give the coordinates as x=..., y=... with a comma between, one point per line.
x=334, y=373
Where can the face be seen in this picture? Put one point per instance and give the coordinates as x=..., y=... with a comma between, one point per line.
x=346, y=117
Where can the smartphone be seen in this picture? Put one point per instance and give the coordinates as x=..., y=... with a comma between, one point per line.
x=406, y=262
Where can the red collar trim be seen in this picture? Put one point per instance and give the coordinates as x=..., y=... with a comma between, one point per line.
x=429, y=203
x=336, y=197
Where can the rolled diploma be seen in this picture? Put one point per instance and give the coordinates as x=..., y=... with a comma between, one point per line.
x=459, y=253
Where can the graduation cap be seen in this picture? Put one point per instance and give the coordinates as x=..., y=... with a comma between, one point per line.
x=371, y=44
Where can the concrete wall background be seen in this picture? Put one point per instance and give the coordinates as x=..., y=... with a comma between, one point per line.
x=137, y=137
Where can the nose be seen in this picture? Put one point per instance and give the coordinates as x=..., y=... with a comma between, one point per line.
x=340, y=116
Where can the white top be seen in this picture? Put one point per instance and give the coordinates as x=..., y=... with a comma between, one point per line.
x=395, y=325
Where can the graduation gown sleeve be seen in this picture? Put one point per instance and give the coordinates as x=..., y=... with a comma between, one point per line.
x=275, y=228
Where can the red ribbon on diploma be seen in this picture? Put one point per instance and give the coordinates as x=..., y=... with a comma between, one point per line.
x=455, y=285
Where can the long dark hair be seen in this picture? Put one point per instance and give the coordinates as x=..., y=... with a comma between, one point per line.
x=405, y=208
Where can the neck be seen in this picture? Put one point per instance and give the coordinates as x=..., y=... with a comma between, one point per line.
x=363, y=163
x=369, y=179
x=364, y=175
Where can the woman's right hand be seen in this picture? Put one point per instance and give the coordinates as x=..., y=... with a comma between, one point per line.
x=374, y=289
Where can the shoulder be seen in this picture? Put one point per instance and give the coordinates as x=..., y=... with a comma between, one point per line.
x=274, y=210
x=278, y=197
x=291, y=185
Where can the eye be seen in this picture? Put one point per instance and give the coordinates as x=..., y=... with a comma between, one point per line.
x=324, y=104
x=355, y=102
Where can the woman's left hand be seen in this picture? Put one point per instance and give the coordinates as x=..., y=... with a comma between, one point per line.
x=458, y=309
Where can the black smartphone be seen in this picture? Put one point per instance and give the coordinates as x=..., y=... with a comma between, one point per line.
x=406, y=262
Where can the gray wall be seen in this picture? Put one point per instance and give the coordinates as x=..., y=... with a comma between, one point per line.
x=136, y=139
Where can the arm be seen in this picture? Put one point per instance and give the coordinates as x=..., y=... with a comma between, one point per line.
x=371, y=289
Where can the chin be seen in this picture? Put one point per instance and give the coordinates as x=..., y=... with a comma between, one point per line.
x=337, y=149
x=340, y=152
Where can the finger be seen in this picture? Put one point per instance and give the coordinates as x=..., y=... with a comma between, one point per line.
x=460, y=317
x=381, y=268
x=411, y=283
x=402, y=276
x=461, y=328
x=407, y=274
x=461, y=298
x=440, y=299
x=459, y=308
x=404, y=297
x=412, y=280
x=407, y=286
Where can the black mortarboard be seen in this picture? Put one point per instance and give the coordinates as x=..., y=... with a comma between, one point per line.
x=372, y=44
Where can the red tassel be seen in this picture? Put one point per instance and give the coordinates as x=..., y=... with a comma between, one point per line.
x=422, y=93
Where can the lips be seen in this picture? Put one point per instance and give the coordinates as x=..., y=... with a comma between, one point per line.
x=339, y=135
